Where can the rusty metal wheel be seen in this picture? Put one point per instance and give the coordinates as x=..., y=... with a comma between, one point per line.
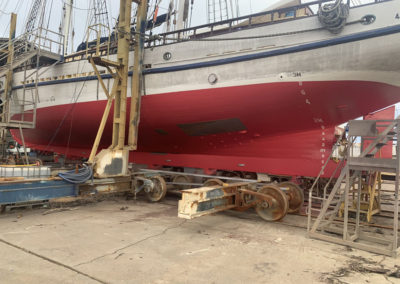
x=181, y=179
x=159, y=189
x=277, y=205
x=295, y=196
x=213, y=182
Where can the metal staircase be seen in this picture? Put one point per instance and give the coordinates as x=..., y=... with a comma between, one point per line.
x=356, y=192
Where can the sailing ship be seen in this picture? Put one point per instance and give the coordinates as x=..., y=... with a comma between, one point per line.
x=261, y=93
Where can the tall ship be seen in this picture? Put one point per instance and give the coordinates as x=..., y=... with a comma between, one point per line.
x=256, y=94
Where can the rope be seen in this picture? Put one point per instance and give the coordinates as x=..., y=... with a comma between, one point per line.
x=160, y=37
x=75, y=7
x=84, y=174
x=6, y=13
x=333, y=16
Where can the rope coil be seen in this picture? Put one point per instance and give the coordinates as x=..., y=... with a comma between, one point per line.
x=333, y=16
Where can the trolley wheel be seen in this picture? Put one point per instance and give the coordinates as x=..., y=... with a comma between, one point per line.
x=181, y=179
x=278, y=207
x=295, y=195
x=159, y=189
x=213, y=182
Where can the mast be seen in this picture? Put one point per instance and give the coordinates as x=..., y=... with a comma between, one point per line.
x=67, y=23
x=183, y=9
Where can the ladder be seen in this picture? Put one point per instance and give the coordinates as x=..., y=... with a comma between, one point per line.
x=358, y=179
x=217, y=10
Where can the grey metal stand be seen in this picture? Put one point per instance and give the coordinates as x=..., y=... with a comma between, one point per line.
x=347, y=193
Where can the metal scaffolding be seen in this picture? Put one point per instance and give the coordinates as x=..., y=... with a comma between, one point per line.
x=356, y=192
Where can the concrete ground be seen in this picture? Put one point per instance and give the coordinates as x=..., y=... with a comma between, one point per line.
x=119, y=241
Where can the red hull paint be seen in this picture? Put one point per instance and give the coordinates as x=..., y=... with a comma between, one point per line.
x=289, y=126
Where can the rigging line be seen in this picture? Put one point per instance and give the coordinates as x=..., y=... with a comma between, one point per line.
x=71, y=108
x=6, y=4
x=22, y=27
x=251, y=9
x=156, y=6
x=6, y=29
x=88, y=21
x=5, y=13
x=65, y=116
x=14, y=11
x=191, y=14
x=48, y=20
x=82, y=9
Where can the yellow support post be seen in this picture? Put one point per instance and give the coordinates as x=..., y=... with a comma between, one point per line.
x=9, y=76
x=124, y=37
x=105, y=114
x=114, y=160
x=137, y=75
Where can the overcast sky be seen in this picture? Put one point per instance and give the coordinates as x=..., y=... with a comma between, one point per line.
x=54, y=8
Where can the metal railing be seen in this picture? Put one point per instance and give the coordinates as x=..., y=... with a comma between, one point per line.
x=40, y=39
x=243, y=22
x=97, y=29
x=19, y=108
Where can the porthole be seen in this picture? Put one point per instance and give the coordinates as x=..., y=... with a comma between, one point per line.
x=167, y=56
x=368, y=19
x=212, y=79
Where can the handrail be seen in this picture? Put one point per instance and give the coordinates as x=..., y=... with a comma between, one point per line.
x=350, y=145
x=326, y=163
x=38, y=38
x=229, y=22
x=162, y=37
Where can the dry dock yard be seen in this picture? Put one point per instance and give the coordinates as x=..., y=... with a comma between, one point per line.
x=128, y=241
x=256, y=148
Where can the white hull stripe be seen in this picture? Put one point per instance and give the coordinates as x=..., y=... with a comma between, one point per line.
x=299, y=48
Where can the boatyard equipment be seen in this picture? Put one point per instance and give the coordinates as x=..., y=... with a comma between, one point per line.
x=190, y=74
x=21, y=191
x=355, y=192
x=272, y=201
x=114, y=160
x=370, y=205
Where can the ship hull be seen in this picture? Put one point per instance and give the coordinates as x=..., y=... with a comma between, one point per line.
x=267, y=104
x=278, y=128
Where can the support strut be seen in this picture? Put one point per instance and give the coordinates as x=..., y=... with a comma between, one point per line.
x=114, y=160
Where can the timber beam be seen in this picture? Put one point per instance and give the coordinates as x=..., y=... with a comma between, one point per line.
x=105, y=62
